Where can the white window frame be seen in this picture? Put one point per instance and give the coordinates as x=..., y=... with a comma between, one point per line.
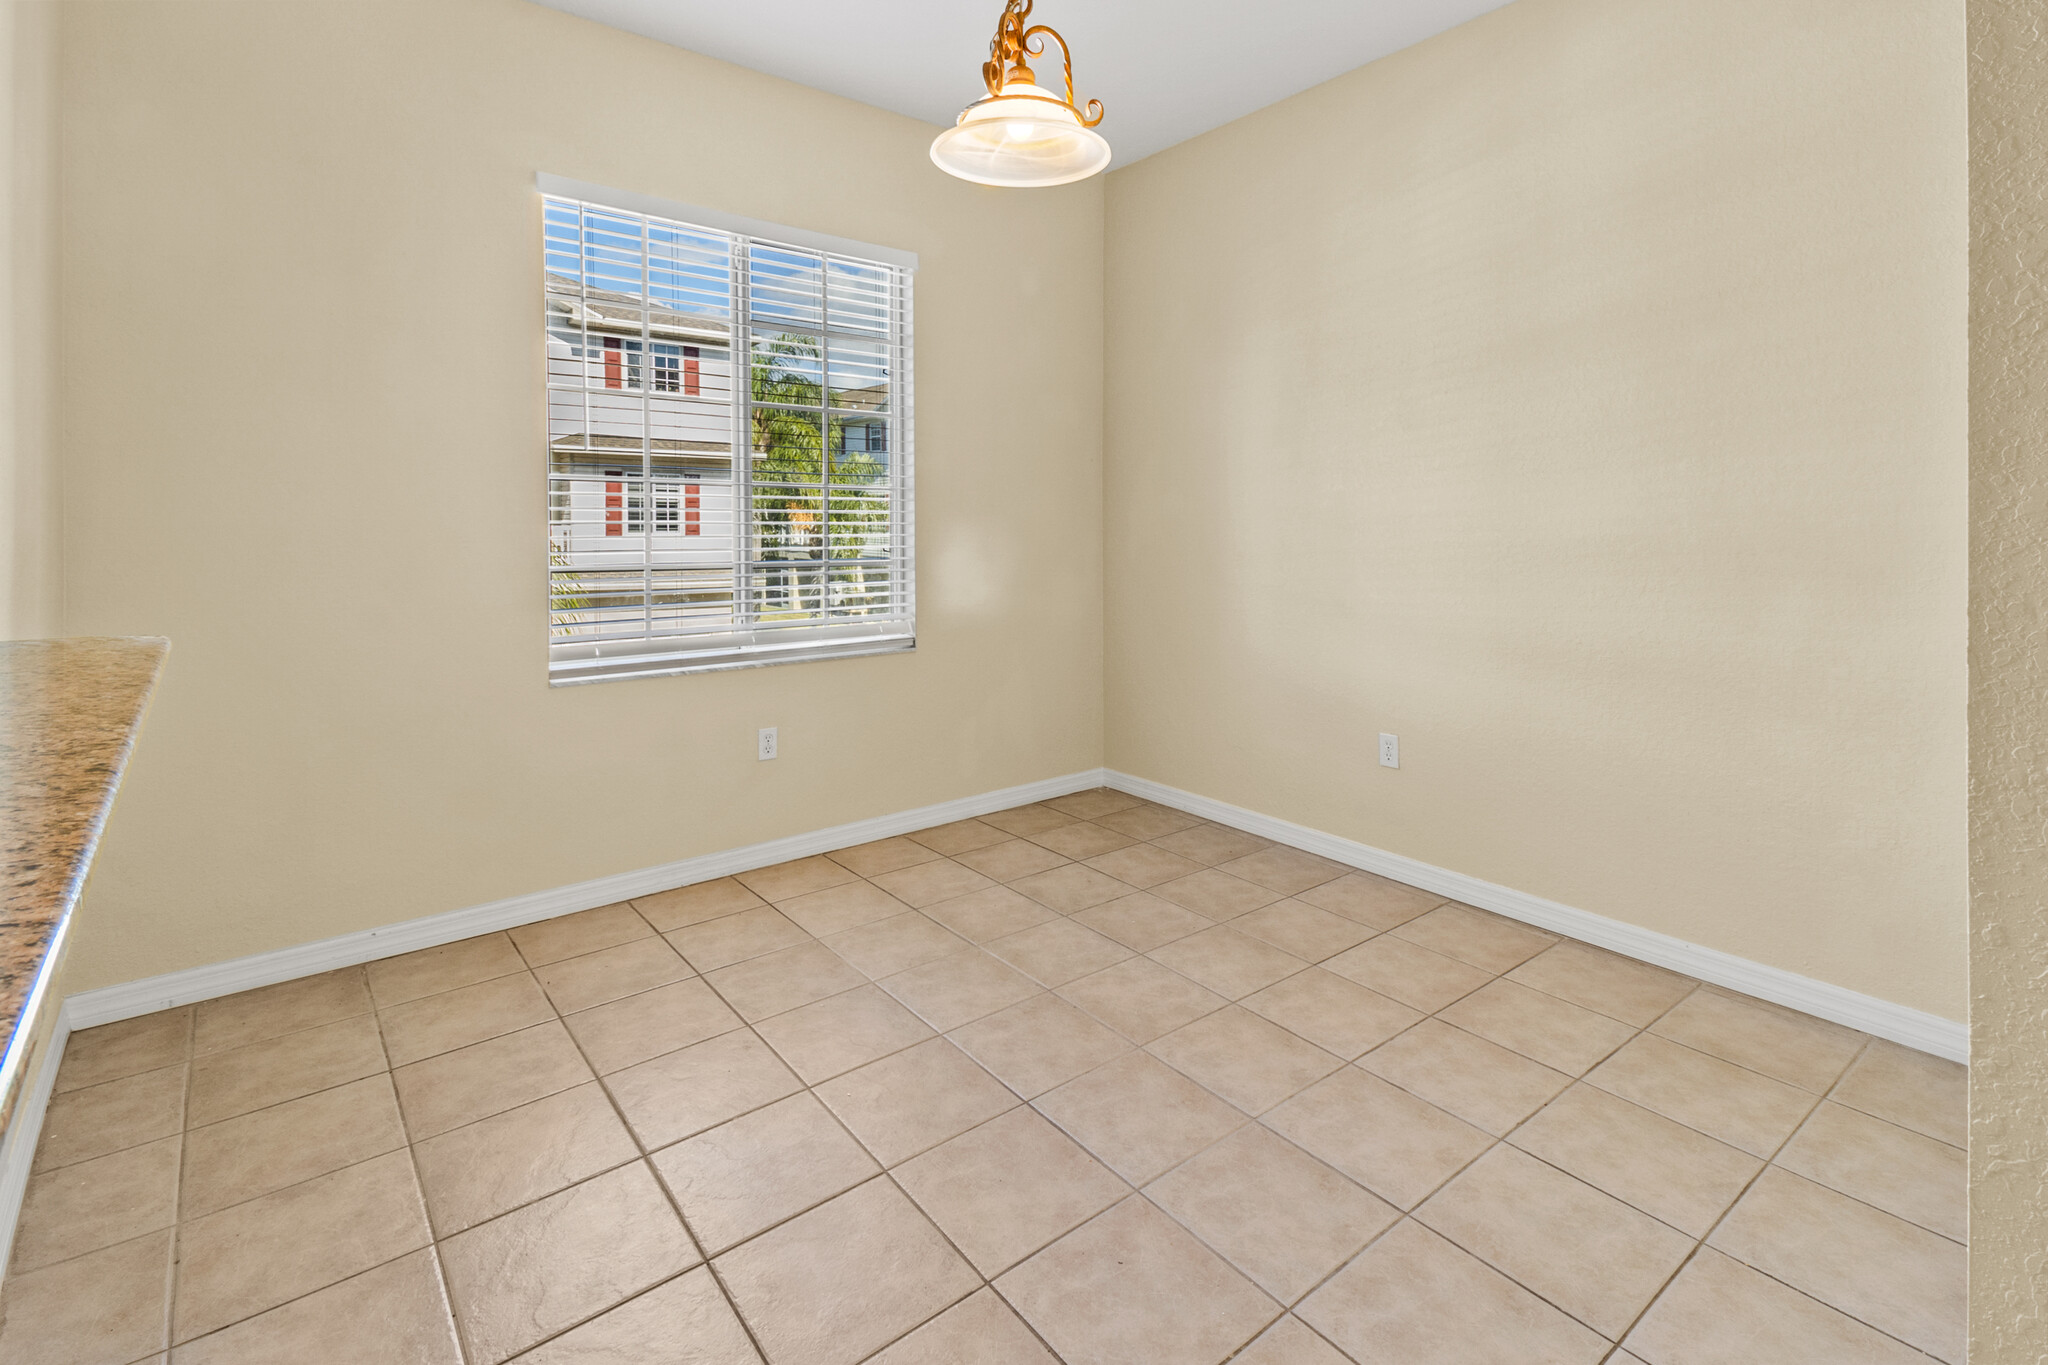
x=654, y=654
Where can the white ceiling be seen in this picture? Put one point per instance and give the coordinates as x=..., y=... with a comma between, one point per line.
x=1165, y=69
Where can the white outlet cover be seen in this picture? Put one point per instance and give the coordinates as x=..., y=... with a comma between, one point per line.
x=768, y=745
x=1390, y=751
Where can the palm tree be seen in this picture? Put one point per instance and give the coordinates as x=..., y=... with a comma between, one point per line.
x=814, y=501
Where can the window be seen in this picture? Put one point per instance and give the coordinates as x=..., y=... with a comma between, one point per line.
x=677, y=370
x=676, y=338
x=857, y=437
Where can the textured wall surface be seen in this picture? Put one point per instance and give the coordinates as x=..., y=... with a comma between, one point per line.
x=306, y=238
x=1580, y=395
x=2009, y=682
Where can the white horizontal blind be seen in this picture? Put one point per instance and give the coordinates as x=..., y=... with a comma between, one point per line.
x=729, y=471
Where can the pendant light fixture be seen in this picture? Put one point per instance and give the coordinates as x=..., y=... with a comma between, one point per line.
x=1023, y=134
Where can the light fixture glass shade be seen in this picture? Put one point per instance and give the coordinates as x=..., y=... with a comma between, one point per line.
x=1020, y=138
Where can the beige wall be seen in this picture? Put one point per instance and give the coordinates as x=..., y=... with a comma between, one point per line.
x=303, y=438
x=1579, y=395
x=2008, y=682
x=28, y=261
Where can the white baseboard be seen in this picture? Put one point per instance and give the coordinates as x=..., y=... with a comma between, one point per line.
x=1913, y=1028
x=25, y=1130
x=111, y=1003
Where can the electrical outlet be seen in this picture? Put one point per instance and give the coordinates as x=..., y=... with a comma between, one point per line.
x=1390, y=751
x=767, y=744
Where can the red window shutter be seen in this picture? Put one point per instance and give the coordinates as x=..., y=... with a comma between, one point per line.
x=692, y=512
x=614, y=507
x=614, y=378
x=690, y=371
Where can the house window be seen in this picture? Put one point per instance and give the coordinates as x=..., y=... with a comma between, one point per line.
x=864, y=437
x=729, y=470
x=668, y=368
x=677, y=369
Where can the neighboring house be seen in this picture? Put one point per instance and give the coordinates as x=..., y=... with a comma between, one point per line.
x=641, y=478
x=639, y=437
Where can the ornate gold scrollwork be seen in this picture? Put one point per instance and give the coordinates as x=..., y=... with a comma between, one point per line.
x=1014, y=42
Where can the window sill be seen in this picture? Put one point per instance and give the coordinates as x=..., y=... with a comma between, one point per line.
x=576, y=673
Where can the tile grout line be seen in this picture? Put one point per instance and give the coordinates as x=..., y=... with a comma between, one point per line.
x=1581, y=1078
x=1054, y=991
x=183, y=1222
x=1825, y=1098
x=640, y=1158
x=172, y=1280
x=1311, y=962
x=1649, y=1030
x=1408, y=1214
x=1250, y=1120
x=242, y=1203
x=562, y=1018
x=169, y=1273
x=463, y=1351
x=1118, y=1203
x=882, y=1171
x=250, y=1199
x=392, y=1068
x=437, y=1239
x=988, y=1282
x=36, y=1168
x=646, y=1157
x=1497, y=1140
x=1286, y=1306
x=1722, y=1217
x=1503, y=1139
x=808, y=1088
x=1771, y=1163
x=887, y=1172
x=377, y=1009
x=1506, y=1140
x=389, y=1069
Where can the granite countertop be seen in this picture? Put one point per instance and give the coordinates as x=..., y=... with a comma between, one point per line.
x=69, y=711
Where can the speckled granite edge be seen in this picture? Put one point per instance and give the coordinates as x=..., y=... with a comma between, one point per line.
x=69, y=713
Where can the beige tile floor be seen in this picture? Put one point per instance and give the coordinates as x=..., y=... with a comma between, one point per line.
x=1088, y=1081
